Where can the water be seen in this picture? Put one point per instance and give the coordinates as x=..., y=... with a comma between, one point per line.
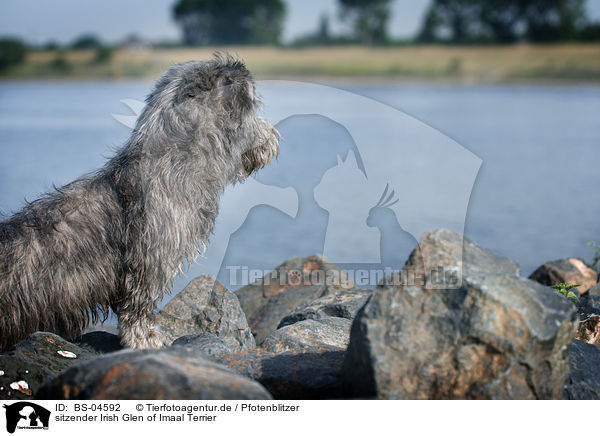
x=534, y=196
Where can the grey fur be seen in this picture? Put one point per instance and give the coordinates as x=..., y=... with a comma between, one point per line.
x=117, y=237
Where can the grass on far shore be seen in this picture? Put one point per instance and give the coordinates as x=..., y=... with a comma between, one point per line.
x=471, y=64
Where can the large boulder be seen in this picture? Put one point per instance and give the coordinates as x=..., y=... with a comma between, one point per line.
x=583, y=382
x=325, y=334
x=441, y=258
x=446, y=249
x=344, y=304
x=571, y=270
x=206, y=306
x=497, y=336
x=292, y=376
x=176, y=373
x=294, y=283
x=35, y=360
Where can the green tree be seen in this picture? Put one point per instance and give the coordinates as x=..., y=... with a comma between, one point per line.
x=60, y=64
x=553, y=20
x=430, y=27
x=590, y=32
x=12, y=52
x=452, y=20
x=85, y=42
x=369, y=19
x=503, y=21
x=51, y=45
x=205, y=22
x=321, y=36
x=323, y=33
x=103, y=54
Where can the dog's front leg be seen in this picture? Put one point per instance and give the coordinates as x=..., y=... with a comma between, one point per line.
x=136, y=316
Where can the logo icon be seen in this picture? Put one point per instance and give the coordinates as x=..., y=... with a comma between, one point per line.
x=26, y=415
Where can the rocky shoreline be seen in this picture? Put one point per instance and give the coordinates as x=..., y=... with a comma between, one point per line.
x=497, y=336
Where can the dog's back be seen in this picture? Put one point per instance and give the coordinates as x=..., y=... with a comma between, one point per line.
x=57, y=260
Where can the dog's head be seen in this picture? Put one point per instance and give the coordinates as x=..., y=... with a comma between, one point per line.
x=216, y=103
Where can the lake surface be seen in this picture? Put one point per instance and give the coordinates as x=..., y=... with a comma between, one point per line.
x=531, y=155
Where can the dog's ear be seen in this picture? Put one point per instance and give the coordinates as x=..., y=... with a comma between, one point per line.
x=223, y=81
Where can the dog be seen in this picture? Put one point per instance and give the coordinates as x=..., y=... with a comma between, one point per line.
x=115, y=239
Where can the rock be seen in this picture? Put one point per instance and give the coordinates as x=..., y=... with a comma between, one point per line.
x=589, y=305
x=292, y=284
x=100, y=342
x=589, y=330
x=292, y=376
x=277, y=306
x=207, y=343
x=588, y=309
x=498, y=336
x=325, y=334
x=594, y=290
x=583, y=382
x=169, y=374
x=445, y=248
x=33, y=361
x=440, y=258
x=344, y=304
x=571, y=270
x=206, y=306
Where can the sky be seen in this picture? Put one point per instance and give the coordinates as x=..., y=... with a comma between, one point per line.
x=39, y=21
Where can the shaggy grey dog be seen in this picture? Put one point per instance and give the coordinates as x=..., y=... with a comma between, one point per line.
x=116, y=238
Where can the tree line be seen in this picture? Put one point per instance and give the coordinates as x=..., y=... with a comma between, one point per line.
x=222, y=22
x=507, y=21
x=236, y=22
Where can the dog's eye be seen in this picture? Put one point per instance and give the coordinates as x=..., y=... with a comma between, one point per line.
x=226, y=81
x=191, y=95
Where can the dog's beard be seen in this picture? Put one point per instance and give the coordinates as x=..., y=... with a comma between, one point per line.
x=261, y=155
x=257, y=158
